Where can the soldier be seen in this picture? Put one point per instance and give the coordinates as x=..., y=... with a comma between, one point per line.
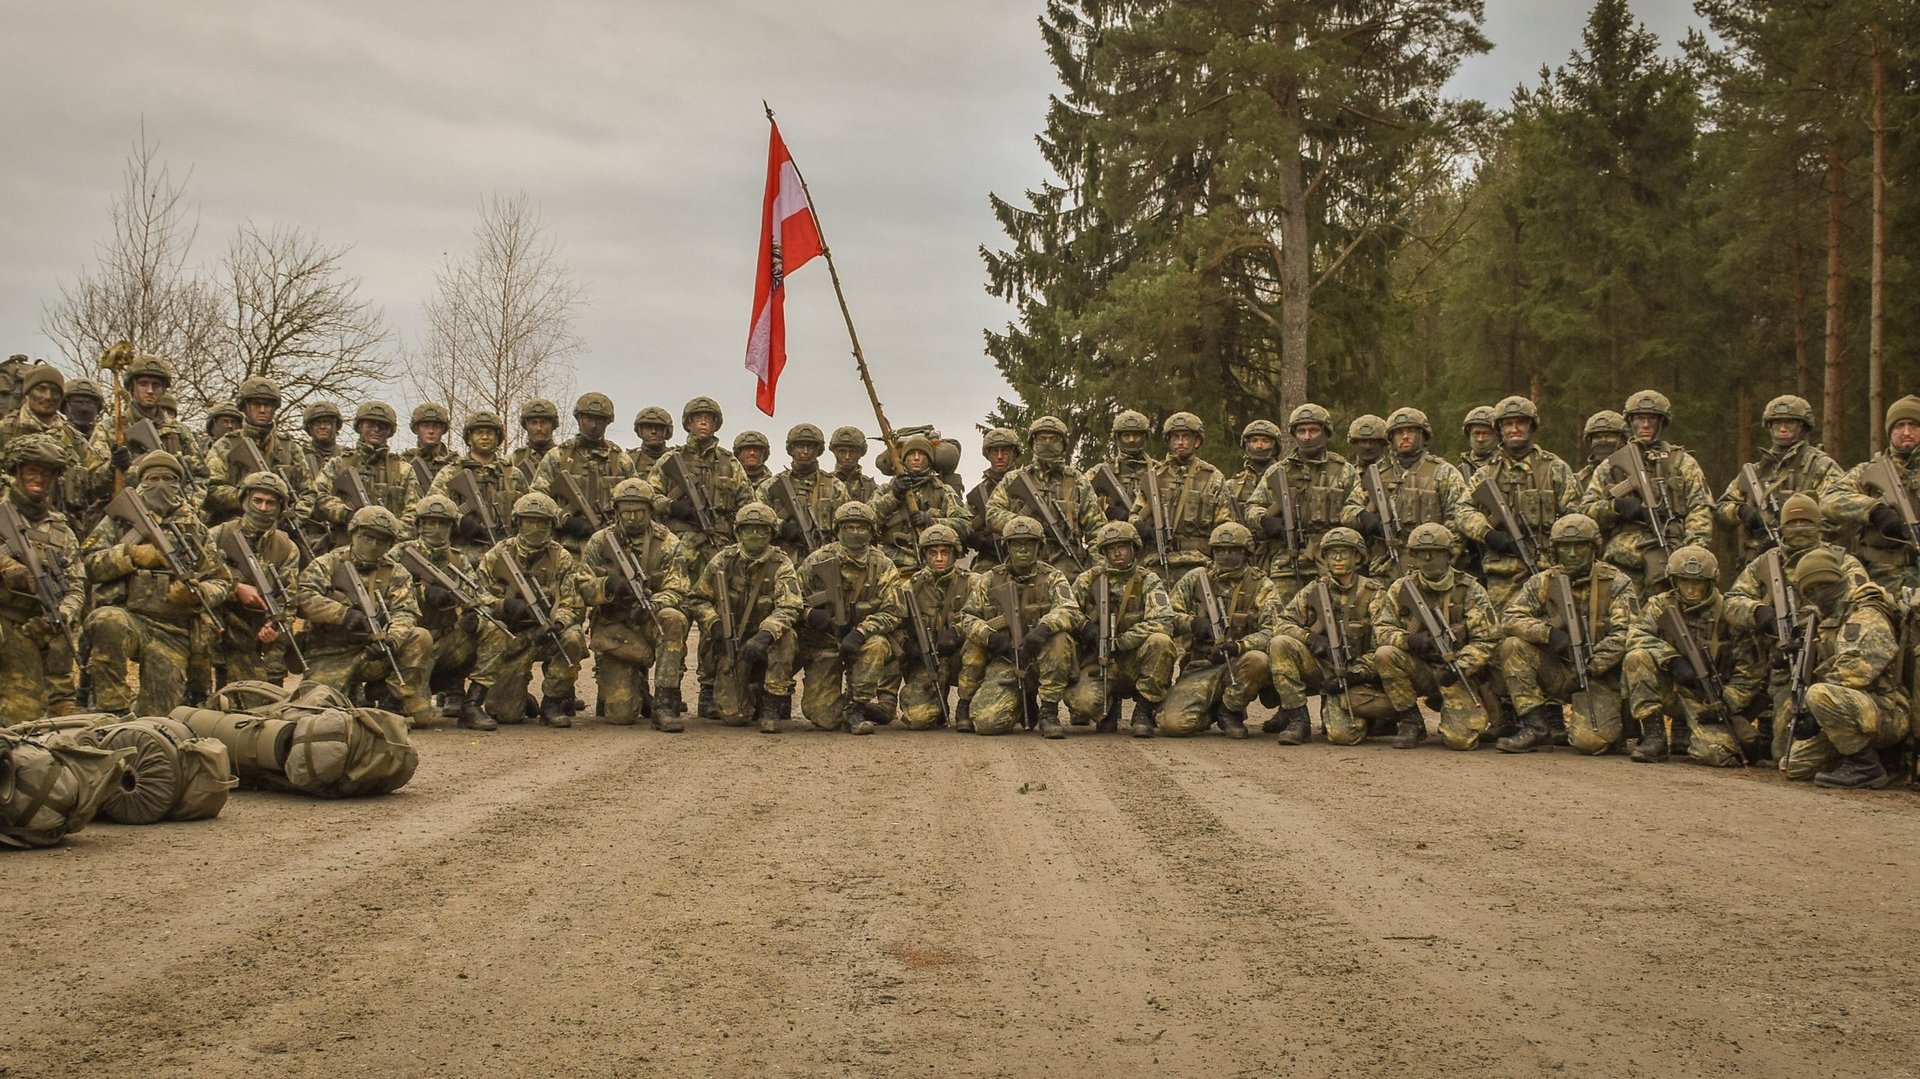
x=1537, y=488
x=912, y=502
x=845, y=624
x=803, y=482
x=595, y=466
x=653, y=427
x=626, y=637
x=939, y=589
x=252, y=648
x=83, y=404
x=1412, y=662
x=482, y=524
x=1483, y=439
x=223, y=418
x=11, y=373
x=1001, y=447
x=383, y=477
x=1129, y=460
x=721, y=485
x=1019, y=622
x=1300, y=651
x=349, y=646
x=1226, y=663
x=1789, y=465
x=1683, y=501
x=460, y=631
x=1885, y=544
x=750, y=586
x=39, y=414
x=849, y=448
x=752, y=449
x=259, y=402
x=1259, y=443
x=142, y=613
x=545, y=626
x=539, y=419
x=1137, y=634
x=1317, y=482
x=1856, y=707
x=146, y=379
x=1662, y=683
x=37, y=676
x=430, y=453
x=1061, y=499
x=1605, y=432
x=1537, y=657
x=1423, y=489
x=1192, y=498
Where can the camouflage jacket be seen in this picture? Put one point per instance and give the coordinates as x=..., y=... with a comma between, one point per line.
x=762, y=594
x=389, y=483
x=595, y=470
x=1353, y=605
x=438, y=619
x=1248, y=600
x=1043, y=594
x=940, y=597
x=1320, y=488
x=1802, y=468
x=324, y=606
x=79, y=494
x=860, y=486
x=853, y=588
x=59, y=550
x=1136, y=597
x=1462, y=605
x=117, y=582
x=1426, y=490
x=277, y=556
x=1847, y=502
x=499, y=486
x=908, y=506
x=819, y=491
x=1731, y=652
x=551, y=569
x=1682, y=486
x=426, y=463
x=1538, y=488
x=1193, y=500
x=1608, y=611
x=1079, y=509
x=717, y=472
x=225, y=474
x=659, y=555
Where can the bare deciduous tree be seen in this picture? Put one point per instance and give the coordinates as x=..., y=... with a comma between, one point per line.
x=500, y=320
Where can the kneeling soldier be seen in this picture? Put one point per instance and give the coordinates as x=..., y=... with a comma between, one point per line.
x=1126, y=647
x=538, y=585
x=453, y=609
x=1685, y=658
x=253, y=644
x=1019, y=620
x=927, y=609
x=1854, y=707
x=36, y=643
x=844, y=631
x=747, y=600
x=1323, y=644
x=1435, y=630
x=636, y=584
x=360, y=614
x=1223, y=611
x=1566, y=634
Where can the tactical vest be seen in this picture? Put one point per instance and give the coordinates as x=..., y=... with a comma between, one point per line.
x=1190, y=511
x=1451, y=605
x=712, y=470
x=860, y=486
x=1354, y=609
x=593, y=469
x=527, y=460
x=1239, y=600
x=1594, y=595
x=1787, y=473
x=941, y=596
x=859, y=582
x=1129, y=598
x=1315, y=495
x=380, y=581
x=435, y=620
x=144, y=591
x=1710, y=630
x=1662, y=459
x=1035, y=595
x=495, y=490
x=1529, y=491
x=1415, y=491
x=747, y=587
x=384, y=475
x=271, y=549
x=53, y=538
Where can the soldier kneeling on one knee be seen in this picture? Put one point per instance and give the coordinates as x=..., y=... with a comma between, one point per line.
x=1323, y=644
x=1853, y=707
x=1020, y=620
x=1126, y=646
x=636, y=584
x=1435, y=630
x=926, y=607
x=1224, y=611
x=1686, y=661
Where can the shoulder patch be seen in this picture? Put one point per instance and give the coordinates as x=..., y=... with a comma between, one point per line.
x=1851, y=632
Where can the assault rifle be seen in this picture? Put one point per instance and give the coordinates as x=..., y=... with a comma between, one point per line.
x=127, y=508
x=1803, y=658
x=464, y=487
x=1384, y=505
x=632, y=576
x=977, y=506
x=831, y=593
x=923, y=640
x=677, y=471
x=1639, y=483
x=1047, y=511
x=1782, y=596
x=811, y=533
x=464, y=589
x=1339, y=649
x=1291, y=531
x=1883, y=480
x=727, y=623
x=347, y=579
x=584, y=506
x=534, y=596
x=1157, y=517
x=1216, y=618
x=47, y=585
x=422, y=474
x=248, y=455
x=1007, y=598
x=144, y=437
x=1579, y=634
x=1106, y=483
x=1763, y=500
x=1103, y=625
x=267, y=581
x=352, y=488
x=1680, y=635
x=1443, y=636
x=1493, y=502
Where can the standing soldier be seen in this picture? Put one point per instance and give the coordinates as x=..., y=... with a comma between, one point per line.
x=653, y=427
x=83, y=405
x=544, y=618
x=843, y=631
x=483, y=522
x=939, y=589
x=539, y=419
x=752, y=449
x=1315, y=482
x=1422, y=488
x=1259, y=443
x=1663, y=683
x=1019, y=623
x=702, y=475
x=37, y=676
x=228, y=462
x=224, y=417
x=459, y=630
x=1001, y=447
x=1855, y=501
x=1301, y=650
x=321, y=420
x=747, y=599
x=370, y=469
x=349, y=646
x=1191, y=499
x=1482, y=439
x=1788, y=466
x=1053, y=494
x=849, y=448
x=1682, y=501
x=627, y=635
x=1129, y=651
x=815, y=492
x=1856, y=707
x=1226, y=662
x=912, y=502
x=1536, y=488
x=75, y=496
x=430, y=452
x=1413, y=662
x=1129, y=460
x=1605, y=432
x=251, y=647
x=593, y=464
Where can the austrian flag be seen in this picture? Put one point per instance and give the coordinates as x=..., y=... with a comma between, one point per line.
x=788, y=238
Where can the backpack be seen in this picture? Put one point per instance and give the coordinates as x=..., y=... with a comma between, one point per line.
x=308, y=739
x=174, y=774
x=50, y=787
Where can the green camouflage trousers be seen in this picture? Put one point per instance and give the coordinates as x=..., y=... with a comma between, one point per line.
x=622, y=654
x=1406, y=678
x=921, y=693
x=1652, y=697
x=1537, y=677
x=412, y=650
x=505, y=669
x=736, y=692
x=1147, y=671
x=996, y=704
x=1295, y=672
x=1850, y=721
x=117, y=641
x=1188, y=708
x=831, y=685
x=36, y=671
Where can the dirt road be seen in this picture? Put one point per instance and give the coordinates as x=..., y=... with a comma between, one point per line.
x=617, y=901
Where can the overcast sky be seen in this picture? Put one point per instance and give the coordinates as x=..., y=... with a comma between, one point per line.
x=637, y=129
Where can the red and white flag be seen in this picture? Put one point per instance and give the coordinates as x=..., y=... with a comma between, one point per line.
x=788, y=238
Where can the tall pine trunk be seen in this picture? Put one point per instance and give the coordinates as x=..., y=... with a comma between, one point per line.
x=1876, y=391
x=1834, y=413
x=1296, y=261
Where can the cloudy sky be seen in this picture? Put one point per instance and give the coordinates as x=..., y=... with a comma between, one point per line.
x=637, y=129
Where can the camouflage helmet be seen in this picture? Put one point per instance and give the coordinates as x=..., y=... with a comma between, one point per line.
x=756, y=513
x=1260, y=427
x=535, y=504
x=81, y=386
x=751, y=439
x=424, y=412
x=1115, y=532
x=268, y=480
x=1046, y=425
x=1368, y=428
x=634, y=489
x=379, y=412
x=223, y=410
x=41, y=374
x=1605, y=422
x=1310, y=413
x=1906, y=408
x=1787, y=406
x=438, y=507
x=1818, y=566
x=1131, y=422
x=801, y=433
x=1230, y=534
x=319, y=410
x=1431, y=536
x=171, y=402
x=1477, y=416
x=156, y=459
x=999, y=438
x=1341, y=536
x=1801, y=507
x=479, y=419
x=37, y=449
x=1022, y=528
x=1407, y=416
x=855, y=511
x=1693, y=562
x=599, y=405
x=652, y=415
x=848, y=436
x=1574, y=528
x=1183, y=421
x=1652, y=402
x=376, y=519
x=257, y=388
x=538, y=408
x=147, y=365
x=939, y=535
x=1516, y=407
x=702, y=404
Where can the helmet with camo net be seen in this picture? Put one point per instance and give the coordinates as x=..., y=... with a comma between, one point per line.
x=37, y=449
x=756, y=513
x=1260, y=427
x=156, y=460
x=1431, y=536
x=597, y=405
x=535, y=504
x=751, y=440
x=317, y=411
x=81, y=386
x=848, y=436
x=1368, y=428
x=1516, y=407
x=939, y=535
x=429, y=412
x=1022, y=528
x=1693, y=562
x=482, y=418
x=1477, y=416
x=224, y=410
x=147, y=365
x=1310, y=413
x=1231, y=534
x=1407, y=416
x=1183, y=421
x=269, y=481
x=378, y=412
x=1787, y=406
x=1131, y=422
x=437, y=507
x=1605, y=422
x=855, y=511
x=1046, y=425
x=652, y=415
x=1574, y=528
x=373, y=519
x=258, y=388
x=1115, y=532
x=999, y=438
x=633, y=489
x=1341, y=536
x=804, y=433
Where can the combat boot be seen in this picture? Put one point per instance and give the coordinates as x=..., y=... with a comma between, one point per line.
x=771, y=711
x=1144, y=714
x=553, y=712
x=1295, y=728
x=1049, y=713
x=669, y=704
x=1857, y=771
x=1110, y=722
x=468, y=713
x=865, y=716
x=1409, y=729
x=963, y=716
x=1534, y=732
x=708, y=709
x=1652, y=747
x=1230, y=721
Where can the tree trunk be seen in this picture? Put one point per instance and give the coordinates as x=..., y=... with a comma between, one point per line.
x=1296, y=263
x=1834, y=411
x=1743, y=407
x=1876, y=400
x=1802, y=329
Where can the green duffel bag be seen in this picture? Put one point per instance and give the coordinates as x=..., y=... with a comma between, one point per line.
x=51, y=787
x=308, y=739
x=173, y=775
x=257, y=747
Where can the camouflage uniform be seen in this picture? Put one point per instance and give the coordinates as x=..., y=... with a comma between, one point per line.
x=1538, y=489
x=625, y=639
x=860, y=486
x=426, y=460
x=1681, y=486
x=314, y=455
x=1319, y=481
x=280, y=454
x=1881, y=540
x=1141, y=663
x=505, y=669
x=186, y=446
x=339, y=643
x=459, y=634
x=1655, y=693
x=1193, y=500
x=527, y=457
x=1129, y=462
x=1218, y=679
x=1242, y=484
x=817, y=490
x=1605, y=432
x=238, y=654
x=842, y=647
x=389, y=483
x=1856, y=705
x=497, y=482
x=79, y=497
x=1476, y=456
x=643, y=456
x=1298, y=650
x=757, y=473
x=1408, y=660
x=762, y=594
x=1797, y=467
x=1050, y=618
x=596, y=467
x=1422, y=487
x=940, y=597
x=1062, y=486
x=1534, y=658
x=37, y=675
x=906, y=506
x=979, y=535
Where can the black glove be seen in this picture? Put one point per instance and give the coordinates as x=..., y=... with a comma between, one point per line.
x=922, y=519
x=1273, y=527
x=1319, y=644
x=439, y=598
x=1887, y=520
x=820, y=618
x=1369, y=523
x=1447, y=676
x=681, y=509
x=1090, y=636
x=1559, y=640
x=122, y=458
x=1225, y=651
x=1202, y=632
x=1682, y=672
x=1117, y=512
x=1751, y=516
x=576, y=527
x=1498, y=540
x=756, y=649
x=900, y=486
x=999, y=642
x=1805, y=726
x=518, y=613
x=1765, y=620
x=790, y=531
x=1629, y=508
x=471, y=528
x=356, y=621
x=948, y=644
x=1421, y=644
x=851, y=644
x=469, y=622
x=1035, y=640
